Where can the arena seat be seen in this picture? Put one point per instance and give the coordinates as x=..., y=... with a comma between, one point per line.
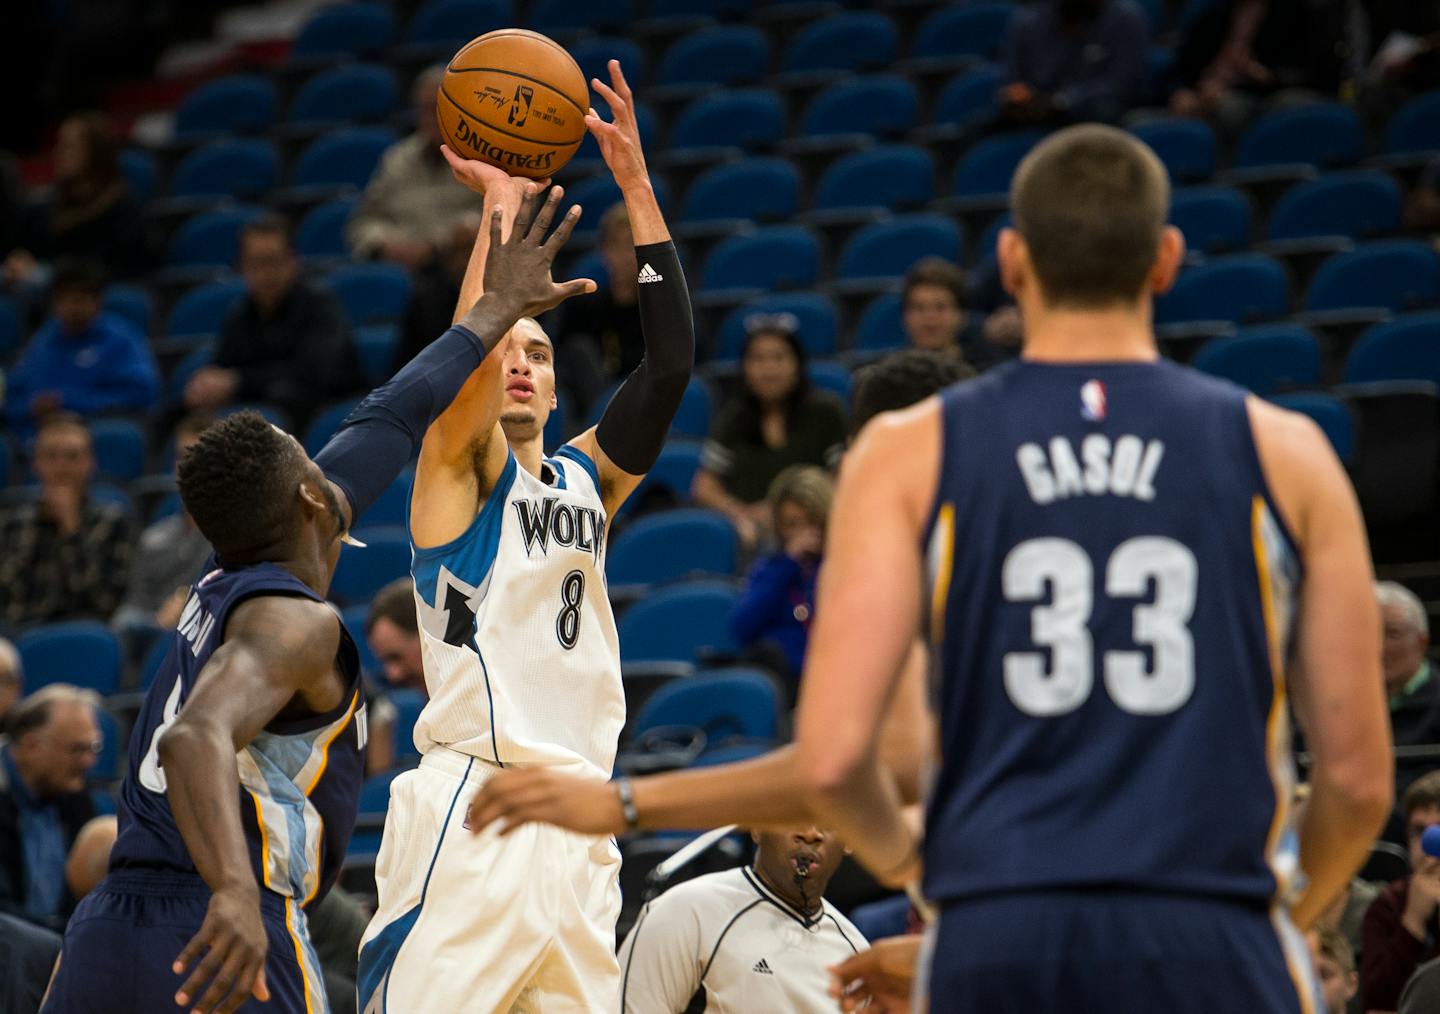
x=725, y=55
x=363, y=572
x=343, y=158
x=354, y=619
x=198, y=314
x=132, y=302
x=210, y=239
x=970, y=98
x=83, y=652
x=1396, y=275
x=107, y=761
x=594, y=56
x=779, y=256
x=12, y=331
x=886, y=250
x=1415, y=127
x=881, y=105
x=986, y=168
x=141, y=173
x=390, y=507
x=815, y=313
x=748, y=118
x=371, y=293
x=552, y=16
x=375, y=346
x=1186, y=146
x=1265, y=359
x=889, y=177
x=1213, y=219
x=599, y=194
x=831, y=376
x=1237, y=288
x=234, y=167
x=344, y=30
x=408, y=705
x=235, y=104
x=202, y=355
x=1322, y=135
x=672, y=545
x=879, y=328
x=588, y=154
x=321, y=233
x=678, y=623
x=1406, y=348
x=1330, y=414
x=975, y=30
x=851, y=42
x=355, y=93
x=673, y=472
x=119, y=448
x=446, y=25
x=1353, y=205
x=325, y=424
x=374, y=803
x=727, y=706
x=757, y=189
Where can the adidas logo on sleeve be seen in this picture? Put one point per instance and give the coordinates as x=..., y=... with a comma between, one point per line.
x=763, y=967
x=649, y=274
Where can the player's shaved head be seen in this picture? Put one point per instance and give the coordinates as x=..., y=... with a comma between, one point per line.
x=1090, y=202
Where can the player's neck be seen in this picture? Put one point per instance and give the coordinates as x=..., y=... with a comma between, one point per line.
x=1121, y=334
x=529, y=454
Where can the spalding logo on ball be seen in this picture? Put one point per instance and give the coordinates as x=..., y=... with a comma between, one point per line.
x=514, y=99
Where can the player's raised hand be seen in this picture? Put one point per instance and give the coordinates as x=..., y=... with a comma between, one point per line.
x=484, y=178
x=619, y=141
x=879, y=979
x=516, y=797
x=518, y=268
x=230, y=950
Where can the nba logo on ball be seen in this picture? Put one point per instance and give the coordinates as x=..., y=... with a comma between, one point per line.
x=520, y=107
x=1092, y=401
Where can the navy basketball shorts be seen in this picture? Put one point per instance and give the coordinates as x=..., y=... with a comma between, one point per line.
x=126, y=934
x=1100, y=952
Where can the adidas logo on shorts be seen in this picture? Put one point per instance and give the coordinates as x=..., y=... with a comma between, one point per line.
x=763, y=967
x=649, y=274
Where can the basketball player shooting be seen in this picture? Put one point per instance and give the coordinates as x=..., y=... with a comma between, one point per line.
x=247, y=756
x=520, y=651
x=1125, y=569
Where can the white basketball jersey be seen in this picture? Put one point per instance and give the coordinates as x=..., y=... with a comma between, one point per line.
x=521, y=656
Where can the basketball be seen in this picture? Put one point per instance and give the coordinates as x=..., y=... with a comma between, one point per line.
x=515, y=99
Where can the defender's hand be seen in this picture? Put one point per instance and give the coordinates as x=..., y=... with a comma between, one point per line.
x=518, y=268
x=879, y=979
x=619, y=141
x=517, y=797
x=484, y=178
x=231, y=948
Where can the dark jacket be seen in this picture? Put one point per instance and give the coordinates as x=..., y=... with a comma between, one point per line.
x=1389, y=955
x=76, y=810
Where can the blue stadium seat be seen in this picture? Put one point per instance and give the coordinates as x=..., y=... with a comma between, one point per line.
x=749, y=118
x=878, y=104
x=1397, y=275
x=363, y=572
x=599, y=194
x=83, y=652
x=202, y=355
x=210, y=239
x=1187, y=147
x=888, y=249
x=1354, y=204
x=1415, y=127
x=819, y=323
x=678, y=622
x=661, y=10
x=357, y=93
x=1406, y=348
x=131, y=302
x=692, y=418
x=594, y=56
x=345, y=157
x=673, y=545
x=1264, y=359
x=325, y=424
x=321, y=233
x=449, y=24
x=237, y=104
x=12, y=332
x=725, y=705
x=674, y=470
x=227, y=168
x=1213, y=218
x=374, y=804
x=371, y=293
x=1330, y=414
x=200, y=312
x=589, y=151
x=971, y=30
x=891, y=176
x=107, y=761
x=985, y=170
x=551, y=16
x=159, y=649
x=408, y=705
x=728, y=55
x=779, y=256
x=375, y=346
x=345, y=30
x=852, y=41
x=390, y=507
x=756, y=189
x=879, y=328
x=119, y=446
x=1238, y=288
x=354, y=619
x=970, y=98
x=140, y=172
x=1323, y=135
x=828, y=375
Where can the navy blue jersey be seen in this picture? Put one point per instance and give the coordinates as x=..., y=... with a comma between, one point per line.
x=299, y=779
x=1112, y=590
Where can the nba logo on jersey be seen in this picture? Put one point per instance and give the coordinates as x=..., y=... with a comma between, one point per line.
x=1092, y=401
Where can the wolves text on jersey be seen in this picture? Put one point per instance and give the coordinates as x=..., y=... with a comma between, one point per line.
x=564, y=523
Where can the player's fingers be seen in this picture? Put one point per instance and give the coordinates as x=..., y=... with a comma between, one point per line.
x=456, y=162
x=562, y=232
x=547, y=212
x=192, y=950
x=495, y=240
x=577, y=287
x=618, y=106
x=203, y=973
x=261, y=989
x=222, y=995
x=525, y=215
x=617, y=78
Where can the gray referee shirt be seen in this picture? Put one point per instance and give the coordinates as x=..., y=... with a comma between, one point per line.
x=728, y=938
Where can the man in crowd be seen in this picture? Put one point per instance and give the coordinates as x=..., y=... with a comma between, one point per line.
x=50, y=746
x=1070, y=60
x=1400, y=929
x=934, y=313
x=394, y=636
x=749, y=939
x=1410, y=685
x=1334, y=962
x=411, y=202
x=81, y=360
x=287, y=343
x=12, y=679
x=63, y=556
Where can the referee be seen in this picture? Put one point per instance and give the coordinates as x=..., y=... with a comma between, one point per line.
x=755, y=938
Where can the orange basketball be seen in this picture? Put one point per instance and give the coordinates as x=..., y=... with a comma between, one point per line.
x=514, y=99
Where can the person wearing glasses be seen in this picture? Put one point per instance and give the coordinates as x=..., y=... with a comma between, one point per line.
x=51, y=743
x=776, y=419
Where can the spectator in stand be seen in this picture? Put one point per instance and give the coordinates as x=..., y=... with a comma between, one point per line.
x=434, y=292
x=1406, y=61
x=63, y=556
x=1071, y=60
x=1410, y=683
x=776, y=420
x=1422, y=206
x=286, y=343
x=82, y=359
x=394, y=636
x=771, y=620
x=1422, y=992
x=1401, y=930
x=12, y=679
x=50, y=746
x=411, y=203
x=934, y=315
x=88, y=212
x=1334, y=963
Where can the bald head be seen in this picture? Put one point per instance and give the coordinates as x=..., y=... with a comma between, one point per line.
x=1090, y=204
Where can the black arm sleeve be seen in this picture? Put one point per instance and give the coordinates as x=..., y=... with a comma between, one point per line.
x=633, y=428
